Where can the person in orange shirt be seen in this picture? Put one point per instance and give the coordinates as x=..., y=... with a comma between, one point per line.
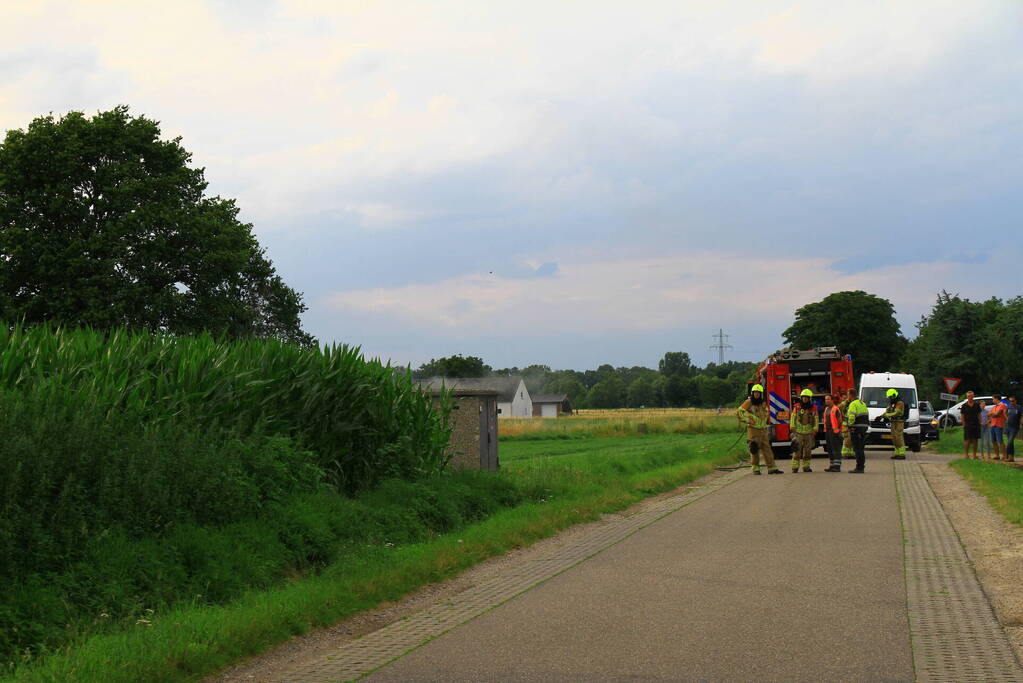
x=996, y=418
x=834, y=420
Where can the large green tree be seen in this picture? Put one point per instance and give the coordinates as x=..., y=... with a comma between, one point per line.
x=607, y=393
x=641, y=393
x=103, y=223
x=454, y=366
x=675, y=363
x=857, y=323
x=980, y=342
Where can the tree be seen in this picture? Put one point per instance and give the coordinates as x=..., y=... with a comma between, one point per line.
x=607, y=393
x=104, y=224
x=565, y=382
x=675, y=394
x=858, y=323
x=641, y=393
x=715, y=391
x=675, y=363
x=453, y=366
x=978, y=342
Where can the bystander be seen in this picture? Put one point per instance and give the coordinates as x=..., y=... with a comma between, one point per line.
x=970, y=414
x=833, y=422
x=985, y=432
x=1012, y=422
x=996, y=417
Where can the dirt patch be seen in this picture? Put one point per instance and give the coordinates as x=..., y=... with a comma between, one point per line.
x=994, y=546
x=315, y=645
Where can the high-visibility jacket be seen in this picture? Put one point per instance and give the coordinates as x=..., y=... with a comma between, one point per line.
x=896, y=413
x=833, y=419
x=755, y=417
x=804, y=420
x=857, y=414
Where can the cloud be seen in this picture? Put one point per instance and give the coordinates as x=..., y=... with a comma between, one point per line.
x=648, y=294
x=606, y=162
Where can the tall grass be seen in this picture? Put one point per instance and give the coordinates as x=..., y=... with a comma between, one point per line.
x=617, y=423
x=363, y=420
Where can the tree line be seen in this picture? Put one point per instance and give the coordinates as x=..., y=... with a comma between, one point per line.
x=675, y=383
x=979, y=342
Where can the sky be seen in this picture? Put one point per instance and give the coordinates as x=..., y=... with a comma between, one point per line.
x=567, y=182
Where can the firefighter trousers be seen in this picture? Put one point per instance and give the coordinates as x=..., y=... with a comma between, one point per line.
x=898, y=440
x=802, y=445
x=834, y=443
x=762, y=448
x=847, y=444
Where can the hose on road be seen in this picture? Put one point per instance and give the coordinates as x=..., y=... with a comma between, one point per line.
x=742, y=458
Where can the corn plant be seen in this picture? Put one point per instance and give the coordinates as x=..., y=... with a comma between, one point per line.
x=364, y=420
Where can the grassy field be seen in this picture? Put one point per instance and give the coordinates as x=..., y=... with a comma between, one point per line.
x=551, y=484
x=1002, y=485
x=614, y=423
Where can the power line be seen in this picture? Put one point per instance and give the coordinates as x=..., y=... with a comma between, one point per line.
x=721, y=345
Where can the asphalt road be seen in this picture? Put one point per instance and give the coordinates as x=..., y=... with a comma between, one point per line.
x=792, y=577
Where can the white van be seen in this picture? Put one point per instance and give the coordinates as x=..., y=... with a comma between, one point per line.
x=873, y=391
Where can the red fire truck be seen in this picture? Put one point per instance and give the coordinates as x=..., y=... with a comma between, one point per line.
x=787, y=372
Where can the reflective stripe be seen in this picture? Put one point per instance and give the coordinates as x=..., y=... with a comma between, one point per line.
x=777, y=405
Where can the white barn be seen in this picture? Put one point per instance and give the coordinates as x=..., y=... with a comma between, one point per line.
x=513, y=398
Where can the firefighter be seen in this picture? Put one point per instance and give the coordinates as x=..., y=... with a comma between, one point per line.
x=857, y=419
x=847, y=445
x=753, y=413
x=896, y=416
x=804, y=422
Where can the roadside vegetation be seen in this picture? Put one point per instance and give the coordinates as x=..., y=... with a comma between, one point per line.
x=378, y=546
x=1000, y=484
x=141, y=471
x=951, y=441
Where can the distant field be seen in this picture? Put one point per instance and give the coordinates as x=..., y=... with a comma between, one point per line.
x=622, y=422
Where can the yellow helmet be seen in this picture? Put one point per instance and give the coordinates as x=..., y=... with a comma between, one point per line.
x=806, y=392
x=891, y=392
x=757, y=387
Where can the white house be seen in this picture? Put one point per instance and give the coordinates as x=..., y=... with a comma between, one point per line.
x=513, y=398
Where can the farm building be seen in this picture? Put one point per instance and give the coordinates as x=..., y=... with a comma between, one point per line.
x=551, y=405
x=513, y=398
x=473, y=422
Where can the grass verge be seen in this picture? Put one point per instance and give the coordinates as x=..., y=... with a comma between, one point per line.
x=1001, y=485
x=565, y=482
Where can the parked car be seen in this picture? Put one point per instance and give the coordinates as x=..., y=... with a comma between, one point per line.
x=928, y=422
x=953, y=416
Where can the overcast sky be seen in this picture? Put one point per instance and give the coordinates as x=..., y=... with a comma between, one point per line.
x=572, y=183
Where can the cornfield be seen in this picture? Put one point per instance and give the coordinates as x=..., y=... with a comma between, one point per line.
x=363, y=420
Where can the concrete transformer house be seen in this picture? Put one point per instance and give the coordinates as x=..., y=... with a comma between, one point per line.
x=513, y=398
x=473, y=421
